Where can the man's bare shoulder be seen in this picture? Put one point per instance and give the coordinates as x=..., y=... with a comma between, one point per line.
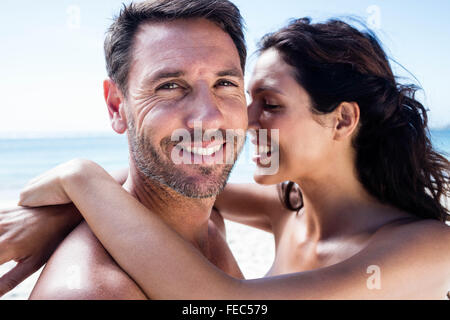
x=82, y=269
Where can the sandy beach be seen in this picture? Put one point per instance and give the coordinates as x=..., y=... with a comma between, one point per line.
x=253, y=249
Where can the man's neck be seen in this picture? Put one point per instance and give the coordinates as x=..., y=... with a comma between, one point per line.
x=189, y=217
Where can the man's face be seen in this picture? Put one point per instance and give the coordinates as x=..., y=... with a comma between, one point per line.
x=185, y=74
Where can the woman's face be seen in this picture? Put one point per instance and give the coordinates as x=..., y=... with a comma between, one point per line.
x=279, y=102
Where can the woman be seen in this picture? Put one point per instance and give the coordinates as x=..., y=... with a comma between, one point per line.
x=365, y=191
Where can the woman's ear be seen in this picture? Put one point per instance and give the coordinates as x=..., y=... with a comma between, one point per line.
x=346, y=120
x=114, y=101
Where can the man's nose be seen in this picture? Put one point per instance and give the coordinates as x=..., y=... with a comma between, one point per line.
x=254, y=114
x=205, y=109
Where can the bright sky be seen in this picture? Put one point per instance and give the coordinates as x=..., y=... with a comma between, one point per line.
x=52, y=64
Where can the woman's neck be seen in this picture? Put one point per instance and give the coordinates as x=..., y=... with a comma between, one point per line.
x=336, y=204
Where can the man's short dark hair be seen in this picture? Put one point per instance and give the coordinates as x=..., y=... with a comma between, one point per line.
x=120, y=36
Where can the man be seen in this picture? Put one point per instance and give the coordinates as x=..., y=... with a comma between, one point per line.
x=172, y=65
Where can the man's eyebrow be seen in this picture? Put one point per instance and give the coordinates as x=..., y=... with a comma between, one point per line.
x=163, y=74
x=233, y=72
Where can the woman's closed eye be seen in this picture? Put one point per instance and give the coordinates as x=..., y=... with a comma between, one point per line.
x=270, y=105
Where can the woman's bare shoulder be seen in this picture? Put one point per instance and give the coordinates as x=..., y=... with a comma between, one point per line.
x=410, y=256
x=421, y=246
x=427, y=231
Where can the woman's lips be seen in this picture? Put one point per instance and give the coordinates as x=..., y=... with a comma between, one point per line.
x=261, y=148
x=263, y=155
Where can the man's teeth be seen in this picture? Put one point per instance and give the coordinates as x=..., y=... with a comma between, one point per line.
x=203, y=151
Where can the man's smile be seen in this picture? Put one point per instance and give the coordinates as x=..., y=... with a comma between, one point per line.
x=212, y=154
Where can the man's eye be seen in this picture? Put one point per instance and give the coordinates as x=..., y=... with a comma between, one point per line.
x=226, y=83
x=169, y=86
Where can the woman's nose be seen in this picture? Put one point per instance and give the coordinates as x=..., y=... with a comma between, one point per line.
x=254, y=113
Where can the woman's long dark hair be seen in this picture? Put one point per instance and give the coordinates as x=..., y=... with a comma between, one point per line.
x=395, y=159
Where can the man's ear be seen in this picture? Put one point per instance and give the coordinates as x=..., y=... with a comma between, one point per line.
x=346, y=119
x=115, y=103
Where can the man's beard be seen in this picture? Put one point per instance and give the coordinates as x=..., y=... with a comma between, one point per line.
x=156, y=167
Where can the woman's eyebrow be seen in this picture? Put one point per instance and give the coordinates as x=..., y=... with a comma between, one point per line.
x=260, y=89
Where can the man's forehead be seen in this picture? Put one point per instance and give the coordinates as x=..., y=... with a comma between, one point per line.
x=180, y=45
x=185, y=62
x=187, y=33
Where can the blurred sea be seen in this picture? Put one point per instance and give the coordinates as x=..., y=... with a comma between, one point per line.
x=21, y=159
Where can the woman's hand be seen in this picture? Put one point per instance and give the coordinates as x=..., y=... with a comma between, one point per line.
x=29, y=236
x=47, y=189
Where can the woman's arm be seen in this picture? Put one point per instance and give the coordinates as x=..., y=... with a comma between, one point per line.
x=411, y=262
x=98, y=197
x=251, y=204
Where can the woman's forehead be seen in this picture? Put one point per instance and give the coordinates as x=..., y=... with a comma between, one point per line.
x=270, y=72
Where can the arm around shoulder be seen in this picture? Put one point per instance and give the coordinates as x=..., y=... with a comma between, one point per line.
x=81, y=269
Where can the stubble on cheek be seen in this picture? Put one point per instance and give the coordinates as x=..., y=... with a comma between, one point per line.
x=156, y=166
